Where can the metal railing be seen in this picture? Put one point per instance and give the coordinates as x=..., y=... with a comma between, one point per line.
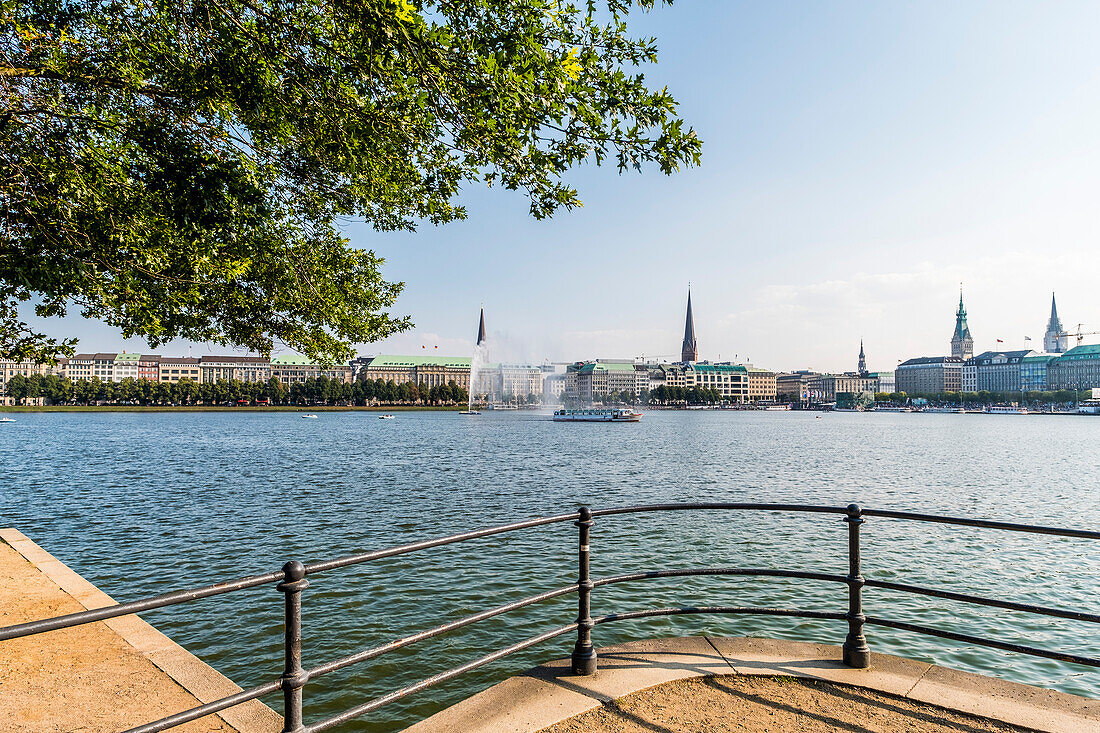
x=293, y=579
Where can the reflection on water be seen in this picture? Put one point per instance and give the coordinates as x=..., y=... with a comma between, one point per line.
x=140, y=504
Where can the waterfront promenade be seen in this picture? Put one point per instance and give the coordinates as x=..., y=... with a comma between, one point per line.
x=102, y=677
x=720, y=685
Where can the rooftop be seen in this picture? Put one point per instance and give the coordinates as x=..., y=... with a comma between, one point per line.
x=1085, y=351
x=607, y=366
x=395, y=361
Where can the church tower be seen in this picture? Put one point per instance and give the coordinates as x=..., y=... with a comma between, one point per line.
x=862, y=360
x=690, y=350
x=1053, y=341
x=962, y=344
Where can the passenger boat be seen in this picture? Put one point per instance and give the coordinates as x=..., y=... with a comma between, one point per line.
x=951, y=410
x=613, y=414
x=387, y=416
x=1006, y=410
x=309, y=416
x=1088, y=407
x=893, y=409
x=7, y=419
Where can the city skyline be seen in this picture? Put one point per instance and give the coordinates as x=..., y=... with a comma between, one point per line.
x=840, y=199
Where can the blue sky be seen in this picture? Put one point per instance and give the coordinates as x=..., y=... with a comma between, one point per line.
x=860, y=161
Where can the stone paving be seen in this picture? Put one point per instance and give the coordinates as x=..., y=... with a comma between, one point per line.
x=103, y=677
x=550, y=694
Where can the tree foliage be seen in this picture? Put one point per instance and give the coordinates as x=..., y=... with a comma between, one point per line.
x=181, y=169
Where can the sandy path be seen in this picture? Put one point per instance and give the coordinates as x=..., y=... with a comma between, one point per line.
x=768, y=705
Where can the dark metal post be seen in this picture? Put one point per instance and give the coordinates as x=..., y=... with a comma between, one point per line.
x=294, y=677
x=584, y=654
x=856, y=652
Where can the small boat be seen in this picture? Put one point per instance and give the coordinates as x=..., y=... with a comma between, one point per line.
x=469, y=412
x=7, y=419
x=309, y=416
x=387, y=416
x=616, y=414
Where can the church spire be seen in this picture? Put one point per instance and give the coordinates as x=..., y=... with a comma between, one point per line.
x=689, y=351
x=962, y=343
x=1054, y=342
x=481, y=329
x=862, y=360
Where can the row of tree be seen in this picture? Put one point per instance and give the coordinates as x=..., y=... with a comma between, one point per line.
x=59, y=390
x=986, y=397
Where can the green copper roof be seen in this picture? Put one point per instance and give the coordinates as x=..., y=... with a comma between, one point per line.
x=1039, y=358
x=128, y=357
x=1087, y=351
x=718, y=368
x=391, y=361
x=599, y=366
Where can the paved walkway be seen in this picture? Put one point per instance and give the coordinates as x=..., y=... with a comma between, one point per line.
x=550, y=695
x=98, y=678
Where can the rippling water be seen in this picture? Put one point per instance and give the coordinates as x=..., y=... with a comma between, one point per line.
x=145, y=503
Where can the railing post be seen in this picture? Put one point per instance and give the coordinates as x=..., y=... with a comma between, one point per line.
x=856, y=652
x=584, y=654
x=294, y=677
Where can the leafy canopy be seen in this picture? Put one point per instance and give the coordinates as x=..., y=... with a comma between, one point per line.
x=181, y=168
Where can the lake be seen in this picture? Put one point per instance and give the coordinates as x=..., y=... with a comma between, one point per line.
x=142, y=504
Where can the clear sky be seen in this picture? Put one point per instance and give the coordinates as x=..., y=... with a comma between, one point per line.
x=860, y=161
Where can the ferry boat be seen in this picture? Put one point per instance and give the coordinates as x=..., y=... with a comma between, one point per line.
x=616, y=414
x=1088, y=407
x=951, y=410
x=892, y=409
x=1006, y=410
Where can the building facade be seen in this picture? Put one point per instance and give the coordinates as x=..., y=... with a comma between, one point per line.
x=999, y=371
x=886, y=382
x=760, y=384
x=9, y=369
x=962, y=344
x=295, y=369
x=968, y=380
x=730, y=380
x=432, y=371
x=604, y=377
x=1033, y=372
x=794, y=387
x=149, y=367
x=86, y=366
x=825, y=387
x=126, y=366
x=1078, y=368
x=172, y=369
x=929, y=375
x=239, y=368
x=518, y=381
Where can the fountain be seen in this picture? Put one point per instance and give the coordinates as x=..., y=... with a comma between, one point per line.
x=477, y=360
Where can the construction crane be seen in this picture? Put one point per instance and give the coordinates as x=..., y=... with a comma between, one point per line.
x=1080, y=334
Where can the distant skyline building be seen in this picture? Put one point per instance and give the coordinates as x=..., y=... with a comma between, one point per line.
x=1056, y=341
x=690, y=350
x=962, y=343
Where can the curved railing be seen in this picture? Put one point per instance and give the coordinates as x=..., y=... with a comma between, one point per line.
x=293, y=579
